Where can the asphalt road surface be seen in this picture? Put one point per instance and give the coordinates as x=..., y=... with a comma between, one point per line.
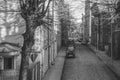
x=86, y=66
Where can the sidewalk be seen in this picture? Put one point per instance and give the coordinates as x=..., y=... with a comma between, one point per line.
x=55, y=71
x=114, y=65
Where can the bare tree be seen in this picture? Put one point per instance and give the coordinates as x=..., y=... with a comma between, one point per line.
x=33, y=12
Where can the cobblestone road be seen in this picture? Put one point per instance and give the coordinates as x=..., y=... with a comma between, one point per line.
x=86, y=66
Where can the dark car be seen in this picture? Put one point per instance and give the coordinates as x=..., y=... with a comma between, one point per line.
x=70, y=51
x=70, y=42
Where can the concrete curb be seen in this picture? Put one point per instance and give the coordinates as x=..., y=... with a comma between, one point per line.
x=55, y=71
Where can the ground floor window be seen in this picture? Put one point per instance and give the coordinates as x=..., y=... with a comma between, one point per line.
x=6, y=63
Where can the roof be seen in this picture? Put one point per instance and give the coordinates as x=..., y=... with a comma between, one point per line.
x=9, y=49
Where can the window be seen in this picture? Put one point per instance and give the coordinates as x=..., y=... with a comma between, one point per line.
x=8, y=63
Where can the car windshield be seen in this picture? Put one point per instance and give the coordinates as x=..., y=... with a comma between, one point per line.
x=71, y=48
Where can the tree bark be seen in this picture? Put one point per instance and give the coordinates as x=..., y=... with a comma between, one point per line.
x=27, y=46
x=33, y=17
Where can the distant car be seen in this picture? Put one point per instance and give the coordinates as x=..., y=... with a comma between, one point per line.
x=71, y=42
x=70, y=51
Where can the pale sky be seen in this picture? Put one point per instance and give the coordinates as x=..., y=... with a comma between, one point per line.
x=76, y=8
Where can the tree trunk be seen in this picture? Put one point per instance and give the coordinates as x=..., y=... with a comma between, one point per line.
x=24, y=64
x=27, y=46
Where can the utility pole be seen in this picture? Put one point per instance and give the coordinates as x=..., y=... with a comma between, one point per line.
x=53, y=27
x=111, y=22
x=87, y=20
x=69, y=31
x=99, y=30
x=111, y=38
x=53, y=12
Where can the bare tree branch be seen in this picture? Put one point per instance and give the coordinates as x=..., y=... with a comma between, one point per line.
x=47, y=7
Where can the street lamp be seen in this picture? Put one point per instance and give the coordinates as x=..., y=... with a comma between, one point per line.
x=112, y=21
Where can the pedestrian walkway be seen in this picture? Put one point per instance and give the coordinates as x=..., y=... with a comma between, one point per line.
x=114, y=65
x=55, y=71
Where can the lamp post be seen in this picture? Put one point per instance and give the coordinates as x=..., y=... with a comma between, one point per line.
x=99, y=29
x=112, y=21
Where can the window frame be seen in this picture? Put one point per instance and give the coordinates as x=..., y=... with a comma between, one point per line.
x=2, y=64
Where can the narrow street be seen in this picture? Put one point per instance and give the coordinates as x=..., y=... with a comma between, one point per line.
x=86, y=66
x=36, y=36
